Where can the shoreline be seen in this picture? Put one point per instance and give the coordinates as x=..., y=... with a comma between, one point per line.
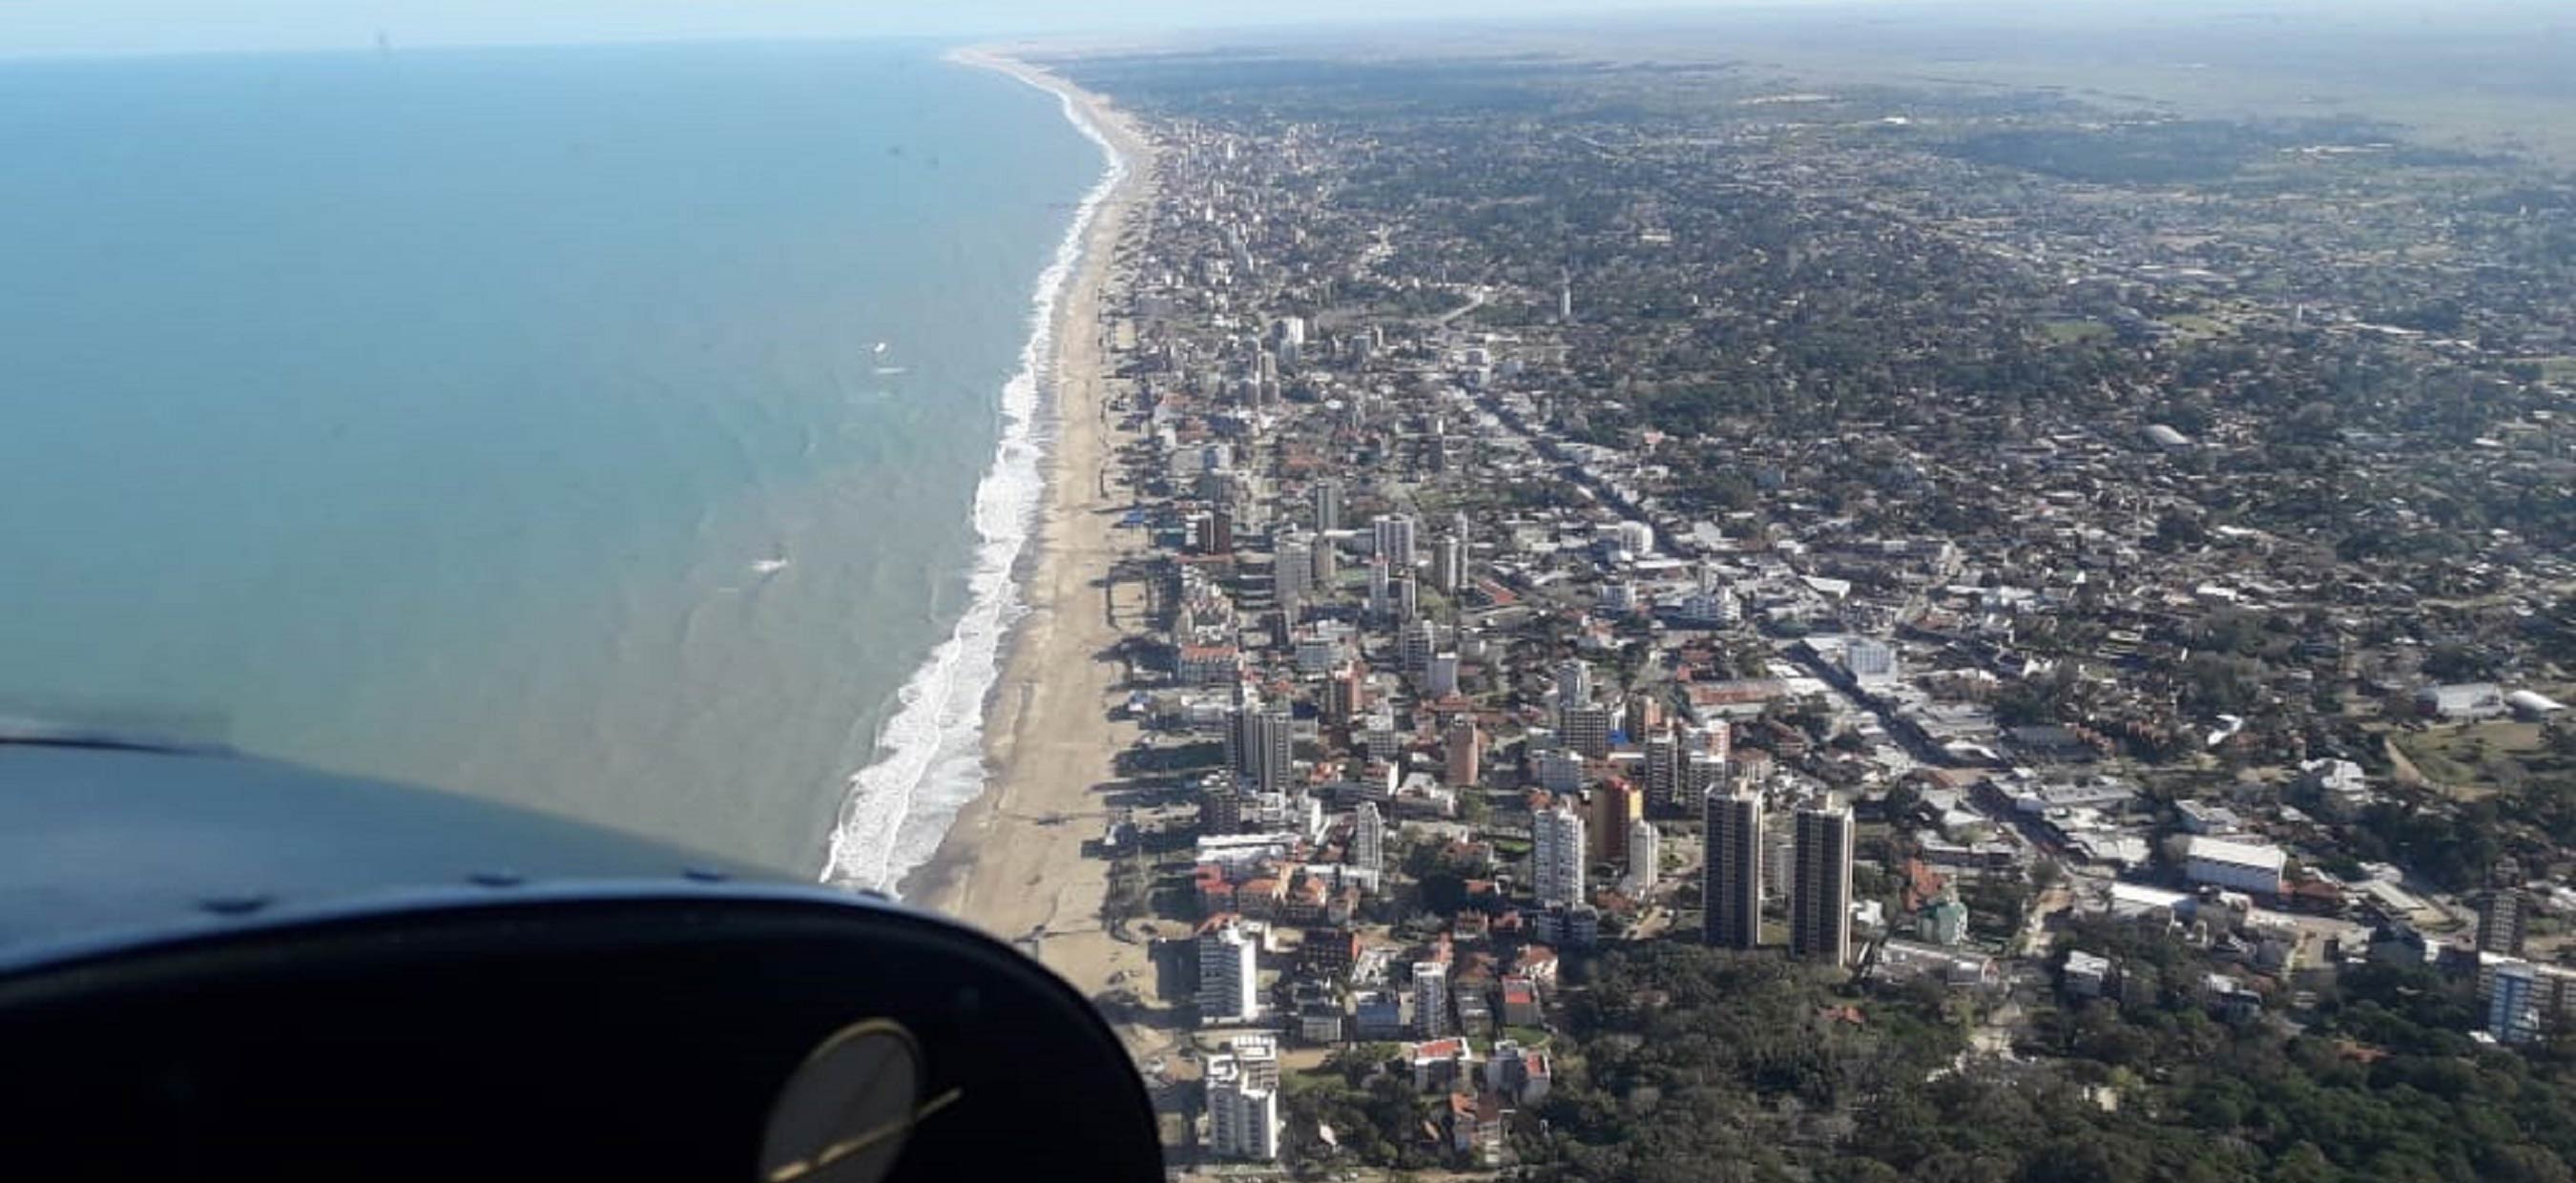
x=930, y=760
x=1012, y=861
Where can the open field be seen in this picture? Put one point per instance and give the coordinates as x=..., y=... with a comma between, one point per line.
x=2475, y=759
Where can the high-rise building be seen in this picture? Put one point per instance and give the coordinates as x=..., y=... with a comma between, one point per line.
x=1328, y=505
x=1261, y=745
x=1229, y=973
x=1256, y=1057
x=1717, y=739
x=1328, y=565
x=1869, y=661
x=1441, y=680
x=2513, y=1003
x=1465, y=749
x=1293, y=569
x=1731, y=879
x=1568, y=926
x=1212, y=532
x=1587, y=730
x=1711, y=608
x=1644, y=711
x=1645, y=852
x=1242, y=1112
x=2500, y=922
x=1663, y=773
x=1636, y=538
x=1394, y=537
x=1368, y=839
x=1780, y=863
x=1431, y=1000
x=1346, y=693
x=1449, y=564
x=1820, y=900
x=1221, y=806
x=1381, y=589
x=1414, y=646
x=1616, y=805
x=1557, y=855
x=1573, y=684
x=1560, y=770
x=1378, y=736
x=1408, y=597
x=1701, y=774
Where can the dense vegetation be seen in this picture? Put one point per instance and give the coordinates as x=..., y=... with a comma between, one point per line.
x=1680, y=1062
x=1691, y=1063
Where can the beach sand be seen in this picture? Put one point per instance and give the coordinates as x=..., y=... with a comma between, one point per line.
x=1014, y=862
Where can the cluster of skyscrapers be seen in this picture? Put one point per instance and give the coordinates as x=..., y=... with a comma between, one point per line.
x=1683, y=766
x=1820, y=891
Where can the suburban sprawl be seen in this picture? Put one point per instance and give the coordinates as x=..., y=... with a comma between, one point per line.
x=1699, y=623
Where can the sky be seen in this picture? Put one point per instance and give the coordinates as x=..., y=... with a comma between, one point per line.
x=45, y=27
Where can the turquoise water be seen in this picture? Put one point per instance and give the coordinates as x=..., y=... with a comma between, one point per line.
x=446, y=415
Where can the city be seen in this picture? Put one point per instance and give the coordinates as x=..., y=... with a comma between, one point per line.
x=2005, y=593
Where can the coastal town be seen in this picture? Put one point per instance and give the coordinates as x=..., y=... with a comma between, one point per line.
x=1640, y=633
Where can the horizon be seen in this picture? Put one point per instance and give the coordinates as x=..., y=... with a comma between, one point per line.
x=152, y=28
x=146, y=28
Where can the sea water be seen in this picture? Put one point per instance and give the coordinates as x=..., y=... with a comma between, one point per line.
x=639, y=433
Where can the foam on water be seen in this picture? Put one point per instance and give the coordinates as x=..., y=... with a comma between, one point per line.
x=929, y=758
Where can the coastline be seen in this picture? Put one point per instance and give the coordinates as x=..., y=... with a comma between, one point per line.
x=1012, y=862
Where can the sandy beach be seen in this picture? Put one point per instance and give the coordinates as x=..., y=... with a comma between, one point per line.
x=1014, y=864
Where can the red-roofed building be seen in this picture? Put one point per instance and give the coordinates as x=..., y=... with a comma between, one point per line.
x=1520, y=1002
x=1215, y=894
x=1476, y=1126
x=1520, y=1074
x=1922, y=884
x=1304, y=902
x=1259, y=898
x=1739, y=692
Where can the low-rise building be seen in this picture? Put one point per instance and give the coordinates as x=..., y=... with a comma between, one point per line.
x=1441, y=1064
x=1520, y=1002
x=1901, y=960
x=2086, y=975
x=2463, y=701
x=1521, y=1074
x=2243, y=866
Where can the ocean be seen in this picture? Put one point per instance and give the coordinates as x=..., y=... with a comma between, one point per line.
x=639, y=433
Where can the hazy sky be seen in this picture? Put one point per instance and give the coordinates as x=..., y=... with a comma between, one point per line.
x=156, y=26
